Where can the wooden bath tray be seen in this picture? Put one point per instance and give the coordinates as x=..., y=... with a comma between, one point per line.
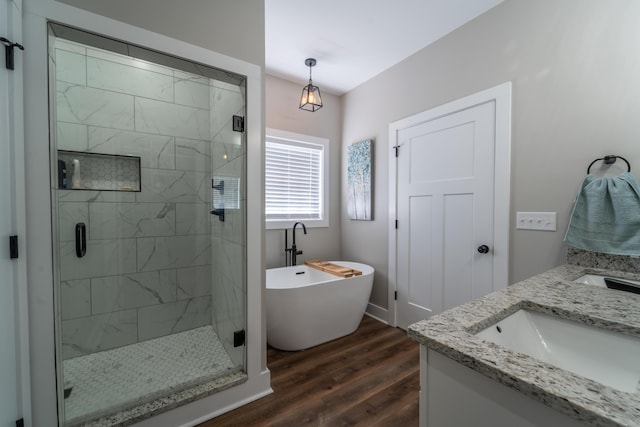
x=334, y=269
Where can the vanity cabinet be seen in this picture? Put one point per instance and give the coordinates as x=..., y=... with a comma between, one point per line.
x=467, y=380
x=453, y=395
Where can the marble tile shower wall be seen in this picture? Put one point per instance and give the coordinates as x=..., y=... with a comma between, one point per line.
x=148, y=266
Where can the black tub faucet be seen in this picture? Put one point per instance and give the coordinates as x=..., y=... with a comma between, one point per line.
x=294, y=250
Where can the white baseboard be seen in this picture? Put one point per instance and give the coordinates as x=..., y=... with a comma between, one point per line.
x=378, y=313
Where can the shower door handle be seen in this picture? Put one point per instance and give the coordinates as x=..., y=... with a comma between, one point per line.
x=81, y=239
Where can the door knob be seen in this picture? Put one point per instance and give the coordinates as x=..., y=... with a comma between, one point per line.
x=483, y=249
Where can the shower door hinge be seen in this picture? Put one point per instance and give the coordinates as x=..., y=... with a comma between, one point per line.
x=238, y=338
x=20, y=422
x=238, y=123
x=13, y=247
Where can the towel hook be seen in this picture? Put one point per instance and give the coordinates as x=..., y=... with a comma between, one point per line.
x=609, y=160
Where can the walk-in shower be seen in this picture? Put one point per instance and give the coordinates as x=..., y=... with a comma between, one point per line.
x=148, y=173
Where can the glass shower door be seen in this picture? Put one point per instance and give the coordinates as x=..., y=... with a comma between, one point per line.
x=151, y=285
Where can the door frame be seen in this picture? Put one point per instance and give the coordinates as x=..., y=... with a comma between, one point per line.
x=501, y=95
x=36, y=14
x=17, y=209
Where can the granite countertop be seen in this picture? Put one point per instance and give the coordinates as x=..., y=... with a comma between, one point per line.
x=452, y=334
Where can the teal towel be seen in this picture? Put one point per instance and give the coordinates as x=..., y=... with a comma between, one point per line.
x=606, y=216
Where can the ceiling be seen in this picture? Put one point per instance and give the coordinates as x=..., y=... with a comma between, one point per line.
x=354, y=40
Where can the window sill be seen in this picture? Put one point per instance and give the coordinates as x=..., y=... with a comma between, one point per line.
x=282, y=225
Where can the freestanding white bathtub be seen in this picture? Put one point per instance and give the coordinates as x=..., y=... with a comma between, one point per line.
x=307, y=307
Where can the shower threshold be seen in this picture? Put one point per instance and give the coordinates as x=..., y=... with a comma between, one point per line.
x=112, y=383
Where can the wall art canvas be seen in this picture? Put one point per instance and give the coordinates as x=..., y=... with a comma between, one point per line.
x=359, y=179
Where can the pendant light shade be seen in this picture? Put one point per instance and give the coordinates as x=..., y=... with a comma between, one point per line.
x=311, y=99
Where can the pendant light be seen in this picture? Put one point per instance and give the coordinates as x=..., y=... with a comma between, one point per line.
x=311, y=99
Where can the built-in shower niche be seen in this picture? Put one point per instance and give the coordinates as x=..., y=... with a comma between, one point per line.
x=78, y=170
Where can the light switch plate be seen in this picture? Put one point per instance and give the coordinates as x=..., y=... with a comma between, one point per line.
x=544, y=221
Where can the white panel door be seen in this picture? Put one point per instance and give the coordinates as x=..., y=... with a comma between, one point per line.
x=9, y=365
x=445, y=185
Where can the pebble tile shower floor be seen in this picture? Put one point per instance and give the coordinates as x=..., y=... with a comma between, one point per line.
x=113, y=380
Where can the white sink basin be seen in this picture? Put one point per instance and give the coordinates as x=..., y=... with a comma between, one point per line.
x=607, y=357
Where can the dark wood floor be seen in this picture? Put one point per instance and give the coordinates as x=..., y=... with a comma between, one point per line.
x=369, y=378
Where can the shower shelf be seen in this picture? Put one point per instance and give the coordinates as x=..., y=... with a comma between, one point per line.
x=103, y=172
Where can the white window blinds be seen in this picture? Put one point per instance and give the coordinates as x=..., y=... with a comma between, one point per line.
x=293, y=180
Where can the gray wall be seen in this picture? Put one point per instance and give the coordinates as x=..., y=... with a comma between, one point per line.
x=232, y=27
x=281, y=112
x=574, y=66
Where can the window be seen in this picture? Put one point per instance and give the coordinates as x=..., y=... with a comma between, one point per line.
x=295, y=180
